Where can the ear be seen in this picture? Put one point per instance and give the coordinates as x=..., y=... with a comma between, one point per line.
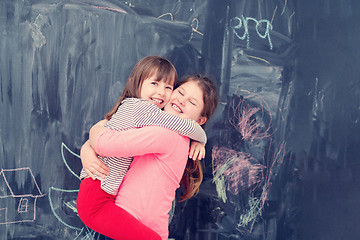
x=201, y=120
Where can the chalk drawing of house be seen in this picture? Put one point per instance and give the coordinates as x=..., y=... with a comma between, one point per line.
x=18, y=195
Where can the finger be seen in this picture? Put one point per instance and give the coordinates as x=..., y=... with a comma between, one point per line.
x=196, y=155
x=105, y=169
x=101, y=168
x=191, y=153
x=90, y=174
x=97, y=172
x=93, y=171
x=200, y=155
x=203, y=154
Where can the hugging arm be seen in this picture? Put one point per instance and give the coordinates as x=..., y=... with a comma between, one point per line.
x=113, y=143
x=185, y=127
x=147, y=114
x=91, y=163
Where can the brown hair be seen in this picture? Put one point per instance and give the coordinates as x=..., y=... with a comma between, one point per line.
x=193, y=174
x=147, y=66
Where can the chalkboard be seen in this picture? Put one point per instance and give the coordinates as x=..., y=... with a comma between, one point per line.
x=282, y=156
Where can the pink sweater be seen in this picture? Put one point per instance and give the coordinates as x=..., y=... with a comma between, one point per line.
x=148, y=188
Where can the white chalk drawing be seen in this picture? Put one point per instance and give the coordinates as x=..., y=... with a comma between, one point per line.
x=260, y=25
x=18, y=204
x=63, y=205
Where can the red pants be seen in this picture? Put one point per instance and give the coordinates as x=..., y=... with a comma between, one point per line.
x=97, y=210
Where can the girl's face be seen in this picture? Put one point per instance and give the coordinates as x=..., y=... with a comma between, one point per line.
x=156, y=92
x=187, y=102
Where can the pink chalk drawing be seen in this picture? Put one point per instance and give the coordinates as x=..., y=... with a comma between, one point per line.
x=234, y=171
x=16, y=204
x=276, y=159
x=247, y=119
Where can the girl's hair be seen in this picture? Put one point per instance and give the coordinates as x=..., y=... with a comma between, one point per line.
x=145, y=68
x=193, y=174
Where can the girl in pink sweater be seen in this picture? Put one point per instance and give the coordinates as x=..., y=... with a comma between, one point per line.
x=148, y=188
x=152, y=80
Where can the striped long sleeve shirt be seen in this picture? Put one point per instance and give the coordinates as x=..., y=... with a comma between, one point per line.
x=135, y=113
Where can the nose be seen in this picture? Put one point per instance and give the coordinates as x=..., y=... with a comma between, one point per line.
x=181, y=100
x=161, y=91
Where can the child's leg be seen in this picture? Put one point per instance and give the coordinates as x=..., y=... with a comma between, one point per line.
x=97, y=210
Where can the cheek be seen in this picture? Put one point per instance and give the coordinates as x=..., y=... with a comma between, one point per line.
x=198, y=113
x=167, y=97
x=193, y=112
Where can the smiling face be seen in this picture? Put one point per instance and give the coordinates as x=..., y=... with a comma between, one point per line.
x=156, y=91
x=187, y=102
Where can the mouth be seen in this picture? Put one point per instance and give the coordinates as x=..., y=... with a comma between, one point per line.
x=157, y=101
x=176, y=108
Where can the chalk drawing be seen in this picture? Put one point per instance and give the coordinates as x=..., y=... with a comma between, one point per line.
x=246, y=119
x=58, y=203
x=259, y=9
x=242, y=22
x=289, y=23
x=167, y=14
x=272, y=18
x=234, y=171
x=36, y=27
x=177, y=7
x=251, y=214
x=273, y=164
x=194, y=27
x=261, y=59
x=111, y=9
x=284, y=7
x=24, y=200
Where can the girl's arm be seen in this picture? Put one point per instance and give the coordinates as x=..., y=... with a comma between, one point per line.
x=147, y=114
x=96, y=131
x=132, y=142
x=91, y=163
x=197, y=149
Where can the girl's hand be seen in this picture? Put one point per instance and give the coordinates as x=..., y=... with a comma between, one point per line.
x=96, y=131
x=197, y=150
x=91, y=163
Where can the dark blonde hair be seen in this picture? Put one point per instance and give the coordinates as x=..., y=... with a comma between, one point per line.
x=146, y=67
x=193, y=174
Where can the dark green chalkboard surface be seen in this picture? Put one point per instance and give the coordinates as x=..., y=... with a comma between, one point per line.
x=282, y=158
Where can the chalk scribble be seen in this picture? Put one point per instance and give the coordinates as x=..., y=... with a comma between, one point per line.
x=246, y=120
x=234, y=171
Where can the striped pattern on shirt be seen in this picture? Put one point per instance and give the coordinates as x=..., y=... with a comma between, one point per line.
x=135, y=113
